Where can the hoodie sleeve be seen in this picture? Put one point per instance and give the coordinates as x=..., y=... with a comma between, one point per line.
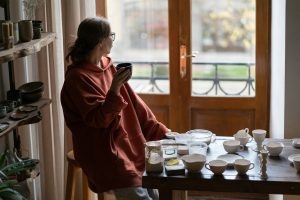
x=152, y=129
x=84, y=101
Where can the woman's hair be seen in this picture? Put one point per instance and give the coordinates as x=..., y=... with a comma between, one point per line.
x=90, y=32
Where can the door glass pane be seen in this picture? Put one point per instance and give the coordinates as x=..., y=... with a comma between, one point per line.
x=223, y=34
x=142, y=38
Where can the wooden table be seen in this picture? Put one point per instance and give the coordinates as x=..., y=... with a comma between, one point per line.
x=282, y=176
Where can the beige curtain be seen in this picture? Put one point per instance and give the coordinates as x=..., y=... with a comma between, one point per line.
x=50, y=140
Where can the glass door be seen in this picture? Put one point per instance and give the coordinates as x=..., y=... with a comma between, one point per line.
x=197, y=63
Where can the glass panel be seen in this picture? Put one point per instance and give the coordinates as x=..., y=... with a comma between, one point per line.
x=223, y=34
x=142, y=38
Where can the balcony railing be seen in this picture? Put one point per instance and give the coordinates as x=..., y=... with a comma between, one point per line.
x=153, y=77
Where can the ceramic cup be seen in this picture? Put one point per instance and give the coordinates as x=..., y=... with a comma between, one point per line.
x=194, y=162
x=259, y=136
x=124, y=65
x=25, y=30
x=216, y=166
x=198, y=148
x=274, y=148
x=242, y=166
x=296, y=162
x=232, y=146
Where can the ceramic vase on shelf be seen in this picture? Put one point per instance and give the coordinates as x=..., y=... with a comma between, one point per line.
x=25, y=30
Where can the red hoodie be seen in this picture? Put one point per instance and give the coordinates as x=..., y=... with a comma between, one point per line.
x=108, y=131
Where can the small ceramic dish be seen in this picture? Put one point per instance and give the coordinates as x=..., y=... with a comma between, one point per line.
x=229, y=158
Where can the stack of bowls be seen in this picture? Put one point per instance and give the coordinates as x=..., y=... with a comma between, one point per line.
x=31, y=92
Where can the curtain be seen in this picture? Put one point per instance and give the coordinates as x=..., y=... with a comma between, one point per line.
x=50, y=140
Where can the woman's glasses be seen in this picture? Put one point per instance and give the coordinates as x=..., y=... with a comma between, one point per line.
x=112, y=36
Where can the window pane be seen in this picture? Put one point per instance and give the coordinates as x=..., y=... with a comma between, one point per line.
x=223, y=34
x=142, y=38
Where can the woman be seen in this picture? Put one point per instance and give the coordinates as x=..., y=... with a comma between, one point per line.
x=108, y=121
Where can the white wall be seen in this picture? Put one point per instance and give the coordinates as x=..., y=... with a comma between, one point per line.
x=292, y=70
x=277, y=69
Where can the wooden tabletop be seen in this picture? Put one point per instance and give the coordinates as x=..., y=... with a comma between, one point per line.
x=282, y=176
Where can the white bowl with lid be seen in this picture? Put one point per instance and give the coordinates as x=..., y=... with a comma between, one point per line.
x=202, y=135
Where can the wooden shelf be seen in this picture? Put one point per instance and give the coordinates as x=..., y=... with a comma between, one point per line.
x=26, y=48
x=33, y=117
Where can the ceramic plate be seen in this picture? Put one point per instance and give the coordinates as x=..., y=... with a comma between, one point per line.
x=229, y=158
x=18, y=116
x=291, y=157
x=27, y=108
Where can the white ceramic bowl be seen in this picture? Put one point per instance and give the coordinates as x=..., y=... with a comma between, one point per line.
x=274, y=148
x=194, y=162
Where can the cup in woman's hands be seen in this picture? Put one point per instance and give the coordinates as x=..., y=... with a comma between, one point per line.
x=124, y=65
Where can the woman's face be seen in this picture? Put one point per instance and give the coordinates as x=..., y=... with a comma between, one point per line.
x=107, y=43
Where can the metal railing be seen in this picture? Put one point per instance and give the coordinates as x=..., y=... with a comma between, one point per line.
x=159, y=71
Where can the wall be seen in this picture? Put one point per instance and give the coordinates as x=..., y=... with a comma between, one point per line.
x=285, y=112
x=292, y=80
x=292, y=72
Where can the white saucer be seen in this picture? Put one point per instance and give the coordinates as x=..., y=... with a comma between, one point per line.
x=171, y=135
x=291, y=157
x=229, y=158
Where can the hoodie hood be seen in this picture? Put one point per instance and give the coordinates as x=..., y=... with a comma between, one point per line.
x=106, y=63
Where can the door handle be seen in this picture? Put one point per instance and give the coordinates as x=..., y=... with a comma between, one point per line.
x=183, y=57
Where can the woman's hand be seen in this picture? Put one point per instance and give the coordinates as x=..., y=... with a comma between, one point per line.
x=120, y=77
